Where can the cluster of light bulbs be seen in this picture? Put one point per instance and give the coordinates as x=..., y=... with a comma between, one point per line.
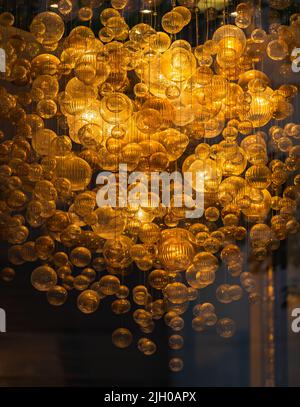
x=141, y=97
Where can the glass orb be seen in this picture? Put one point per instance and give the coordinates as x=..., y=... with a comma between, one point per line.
x=192, y=294
x=259, y=36
x=116, y=108
x=176, y=323
x=258, y=176
x=231, y=42
x=203, y=309
x=46, y=108
x=42, y=141
x=178, y=64
x=123, y=292
x=176, y=365
x=80, y=256
x=160, y=42
x=212, y=214
x=226, y=327
x=120, y=306
x=198, y=278
x=90, y=135
x=90, y=273
x=235, y=292
x=119, y=4
x=176, y=342
x=57, y=295
x=198, y=324
x=277, y=50
x=47, y=27
x=88, y=301
x=173, y=22
x=249, y=284
x=172, y=92
x=7, y=19
x=106, y=34
x=177, y=293
x=185, y=13
x=85, y=14
x=109, y=285
x=223, y=294
x=260, y=235
x=7, y=274
x=122, y=338
x=146, y=346
x=140, y=294
x=158, y=279
x=176, y=254
x=141, y=90
x=65, y=7
x=117, y=252
x=43, y=278
x=81, y=282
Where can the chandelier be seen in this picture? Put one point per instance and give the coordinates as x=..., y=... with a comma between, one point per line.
x=73, y=106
